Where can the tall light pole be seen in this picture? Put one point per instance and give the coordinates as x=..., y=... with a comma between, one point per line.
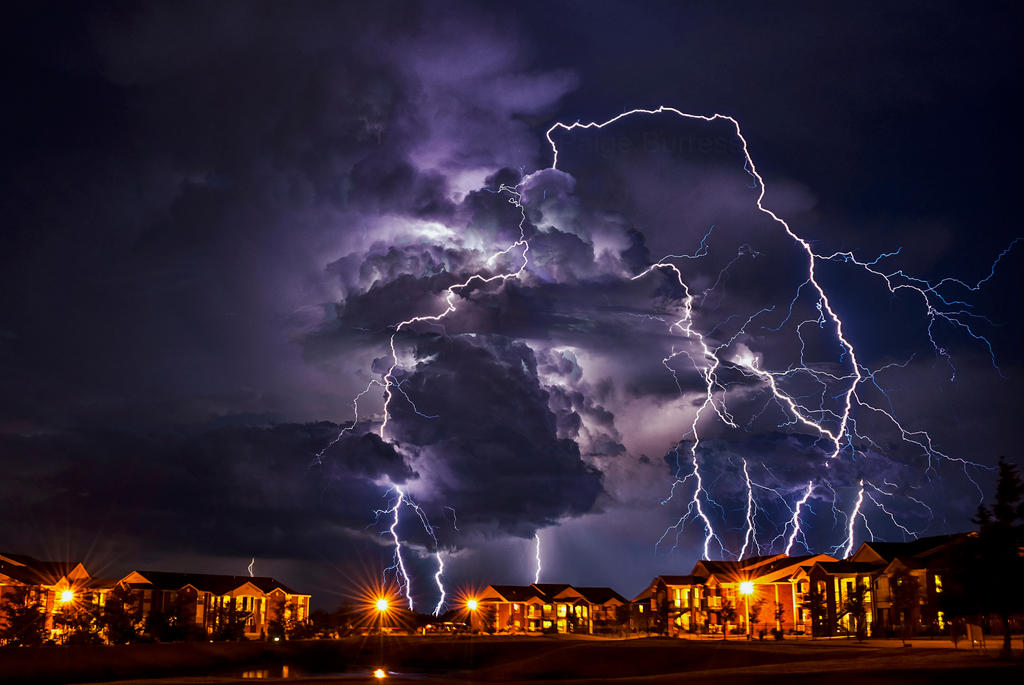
x=382, y=608
x=746, y=589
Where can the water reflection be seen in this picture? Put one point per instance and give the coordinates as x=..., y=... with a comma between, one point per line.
x=265, y=673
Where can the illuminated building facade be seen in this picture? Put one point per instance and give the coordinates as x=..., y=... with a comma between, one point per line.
x=900, y=582
x=55, y=587
x=721, y=596
x=204, y=599
x=549, y=608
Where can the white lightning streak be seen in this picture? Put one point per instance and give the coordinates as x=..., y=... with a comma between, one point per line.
x=795, y=522
x=751, y=512
x=852, y=521
x=536, y=573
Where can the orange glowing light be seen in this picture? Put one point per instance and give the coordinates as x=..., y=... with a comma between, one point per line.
x=382, y=605
x=747, y=587
x=67, y=596
x=380, y=674
x=471, y=605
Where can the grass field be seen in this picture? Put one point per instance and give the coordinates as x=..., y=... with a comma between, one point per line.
x=510, y=660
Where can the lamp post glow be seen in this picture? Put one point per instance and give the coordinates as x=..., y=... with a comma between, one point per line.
x=67, y=596
x=746, y=589
x=382, y=608
x=472, y=605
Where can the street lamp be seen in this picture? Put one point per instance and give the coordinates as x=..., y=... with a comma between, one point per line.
x=67, y=596
x=747, y=589
x=382, y=608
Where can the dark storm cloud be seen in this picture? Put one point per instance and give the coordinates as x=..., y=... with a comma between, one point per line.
x=217, y=214
x=492, y=450
x=223, y=491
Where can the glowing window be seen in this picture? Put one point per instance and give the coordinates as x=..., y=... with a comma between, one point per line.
x=546, y=624
x=561, y=610
x=515, y=607
x=938, y=586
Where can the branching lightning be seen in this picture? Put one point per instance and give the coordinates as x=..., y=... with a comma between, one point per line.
x=836, y=427
x=841, y=429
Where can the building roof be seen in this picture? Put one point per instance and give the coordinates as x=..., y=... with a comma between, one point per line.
x=210, y=582
x=845, y=567
x=646, y=594
x=915, y=548
x=551, y=589
x=518, y=593
x=32, y=571
x=600, y=595
x=682, y=580
x=547, y=592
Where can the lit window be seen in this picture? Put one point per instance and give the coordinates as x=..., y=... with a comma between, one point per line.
x=641, y=608
x=546, y=624
x=515, y=607
x=938, y=584
x=561, y=610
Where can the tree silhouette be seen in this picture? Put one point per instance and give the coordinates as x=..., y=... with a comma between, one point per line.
x=727, y=614
x=856, y=609
x=814, y=602
x=969, y=590
x=22, y=621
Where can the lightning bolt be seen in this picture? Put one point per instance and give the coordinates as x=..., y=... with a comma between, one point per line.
x=852, y=521
x=836, y=427
x=536, y=554
x=251, y=564
x=398, y=567
x=841, y=433
x=795, y=521
x=750, y=535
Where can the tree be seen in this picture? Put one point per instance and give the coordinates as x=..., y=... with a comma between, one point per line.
x=22, y=620
x=814, y=602
x=855, y=608
x=754, y=610
x=906, y=591
x=995, y=549
x=727, y=614
x=81, y=621
x=228, y=622
x=117, y=622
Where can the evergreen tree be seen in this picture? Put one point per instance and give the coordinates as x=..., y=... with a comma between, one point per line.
x=22, y=620
x=996, y=549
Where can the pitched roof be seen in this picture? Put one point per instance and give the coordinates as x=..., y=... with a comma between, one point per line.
x=842, y=567
x=551, y=589
x=210, y=582
x=518, y=593
x=682, y=580
x=915, y=548
x=600, y=595
x=32, y=571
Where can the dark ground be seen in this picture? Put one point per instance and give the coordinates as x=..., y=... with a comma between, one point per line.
x=446, y=659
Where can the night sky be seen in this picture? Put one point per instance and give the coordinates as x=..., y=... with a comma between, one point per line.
x=215, y=215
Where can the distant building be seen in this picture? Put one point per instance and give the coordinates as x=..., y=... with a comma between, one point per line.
x=700, y=602
x=898, y=584
x=555, y=608
x=901, y=583
x=54, y=585
x=203, y=599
